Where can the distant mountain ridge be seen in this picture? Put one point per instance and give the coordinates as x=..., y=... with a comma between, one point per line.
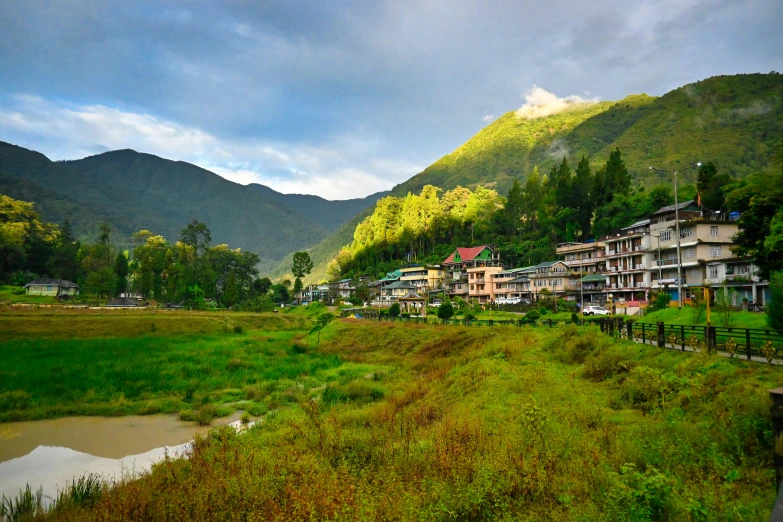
x=133, y=191
x=330, y=214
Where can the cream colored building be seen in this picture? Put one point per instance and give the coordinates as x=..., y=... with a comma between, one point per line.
x=554, y=277
x=481, y=283
x=52, y=287
x=423, y=278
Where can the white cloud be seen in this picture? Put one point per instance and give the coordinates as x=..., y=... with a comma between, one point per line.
x=540, y=102
x=344, y=168
x=488, y=117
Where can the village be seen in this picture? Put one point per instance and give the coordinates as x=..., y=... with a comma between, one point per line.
x=625, y=269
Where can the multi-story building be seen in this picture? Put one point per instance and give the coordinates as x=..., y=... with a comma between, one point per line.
x=702, y=241
x=628, y=261
x=583, y=258
x=738, y=279
x=457, y=264
x=553, y=278
x=520, y=285
x=423, y=278
x=481, y=283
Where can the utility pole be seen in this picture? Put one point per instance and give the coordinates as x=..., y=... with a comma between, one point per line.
x=677, y=228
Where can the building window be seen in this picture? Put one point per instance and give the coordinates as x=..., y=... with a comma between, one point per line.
x=714, y=231
x=685, y=232
x=666, y=235
x=744, y=269
x=715, y=251
x=713, y=272
x=688, y=252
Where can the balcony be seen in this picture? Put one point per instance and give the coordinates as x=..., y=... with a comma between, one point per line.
x=664, y=262
x=613, y=269
x=640, y=266
x=612, y=252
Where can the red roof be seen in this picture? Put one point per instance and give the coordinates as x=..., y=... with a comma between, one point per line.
x=466, y=254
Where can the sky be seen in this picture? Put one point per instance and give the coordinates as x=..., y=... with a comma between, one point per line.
x=343, y=98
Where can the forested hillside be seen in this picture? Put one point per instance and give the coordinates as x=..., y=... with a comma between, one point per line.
x=134, y=191
x=732, y=122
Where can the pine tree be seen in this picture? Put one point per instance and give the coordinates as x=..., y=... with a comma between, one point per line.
x=121, y=271
x=514, y=205
x=618, y=179
x=582, y=188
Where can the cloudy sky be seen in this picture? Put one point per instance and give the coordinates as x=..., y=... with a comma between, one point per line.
x=342, y=98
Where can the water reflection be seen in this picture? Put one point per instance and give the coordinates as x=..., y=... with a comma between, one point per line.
x=50, y=452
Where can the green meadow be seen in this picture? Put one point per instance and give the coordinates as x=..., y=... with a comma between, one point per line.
x=390, y=421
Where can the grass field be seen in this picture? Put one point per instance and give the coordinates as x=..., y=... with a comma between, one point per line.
x=132, y=362
x=687, y=316
x=16, y=294
x=420, y=422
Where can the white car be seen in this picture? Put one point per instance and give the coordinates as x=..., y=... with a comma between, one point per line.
x=508, y=300
x=436, y=303
x=595, y=310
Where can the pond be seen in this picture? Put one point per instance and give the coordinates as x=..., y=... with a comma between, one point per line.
x=50, y=452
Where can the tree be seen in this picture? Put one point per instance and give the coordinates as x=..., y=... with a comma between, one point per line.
x=121, y=272
x=710, y=186
x=302, y=266
x=64, y=263
x=394, y=310
x=445, y=311
x=514, y=206
x=262, y=286
x=197, y=235
x=617, y=177
x=775, y=307
x=582, y=186
x=231, y=294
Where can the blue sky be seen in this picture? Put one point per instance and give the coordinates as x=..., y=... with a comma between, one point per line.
x=342, y=98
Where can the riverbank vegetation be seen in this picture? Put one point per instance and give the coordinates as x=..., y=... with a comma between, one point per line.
x=424, y=422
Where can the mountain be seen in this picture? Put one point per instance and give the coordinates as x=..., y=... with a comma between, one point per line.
x=733, y=121
x=331, y=215
x=134, y=191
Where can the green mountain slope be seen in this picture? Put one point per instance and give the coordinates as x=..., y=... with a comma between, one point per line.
x=733, y=121
x=329, y=214
x=145, y=191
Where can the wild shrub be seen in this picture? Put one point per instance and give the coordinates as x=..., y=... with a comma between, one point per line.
x=24, y=506
x=256, y=409
x=531, y=316
x=360, y=391
x=237, y=329
x=84, y=491
x=573, y=346
x=298, y=349
x=235, y=364
x=605, y=364
x=206, y=414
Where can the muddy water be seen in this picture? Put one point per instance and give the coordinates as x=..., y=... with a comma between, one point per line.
x=50, y=453
x=108, y=437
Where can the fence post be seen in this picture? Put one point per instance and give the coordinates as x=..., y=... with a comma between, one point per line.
x=629, y=329
x=747, y=343
x=708, y=338
x=644, y=339
x=776, y=410
x=682, y=338
x=661, y=335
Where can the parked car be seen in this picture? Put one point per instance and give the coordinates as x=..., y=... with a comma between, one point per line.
x=596, y=310
x=436, y=303
x=511, y=300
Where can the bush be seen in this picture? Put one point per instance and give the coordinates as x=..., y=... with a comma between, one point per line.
x=394, y=309
x=469, y=316
x=445, y=311
x=660, y=301
x=775, y=307
x=574, y=318
x=237, y=329
x=543, y=311
x=531, y=316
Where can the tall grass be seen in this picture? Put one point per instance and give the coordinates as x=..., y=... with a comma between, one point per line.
x=429, y=423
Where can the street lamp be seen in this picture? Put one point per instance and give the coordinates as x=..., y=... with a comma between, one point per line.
x=707, y=284
x=677, y=228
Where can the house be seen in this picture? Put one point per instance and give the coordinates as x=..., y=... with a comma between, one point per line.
x=481, y=283
x=583, y=258
x=738, y=279
x=396, y=290
x=702, y=240
x=311, y=293
x=553, y=278
x=53, y=287
x=343, y=288
x=423, y=278
x=628, y=260
x=456, y=266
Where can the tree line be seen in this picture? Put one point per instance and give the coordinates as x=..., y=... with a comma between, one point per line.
x=190, y=272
